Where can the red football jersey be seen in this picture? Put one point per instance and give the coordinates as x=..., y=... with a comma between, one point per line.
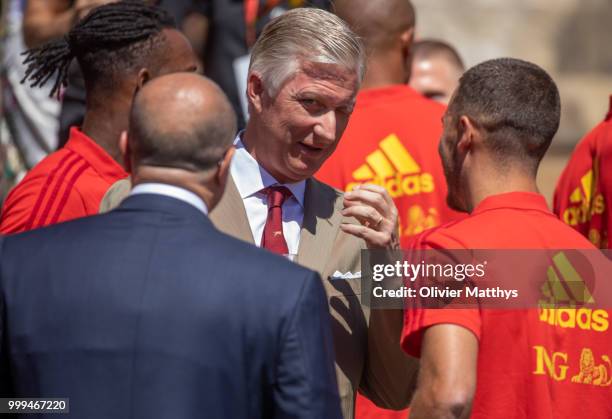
x=392, y=140
x=529, y=366
x=583, y=196
x=67, y=184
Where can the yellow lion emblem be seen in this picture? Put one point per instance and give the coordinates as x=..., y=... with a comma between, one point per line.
x=597, y=375
x=419, y=220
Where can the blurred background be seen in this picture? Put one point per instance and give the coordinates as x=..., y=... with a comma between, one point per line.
x=569, y=38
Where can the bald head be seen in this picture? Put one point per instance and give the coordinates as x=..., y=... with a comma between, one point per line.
x=377, y=22
x=182, y=121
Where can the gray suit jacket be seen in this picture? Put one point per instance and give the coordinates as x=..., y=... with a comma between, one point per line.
x=368, y=353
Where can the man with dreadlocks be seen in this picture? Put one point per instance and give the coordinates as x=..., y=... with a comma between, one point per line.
x=119, y=47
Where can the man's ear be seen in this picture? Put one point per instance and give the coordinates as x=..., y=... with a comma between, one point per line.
x=144, y=75
x=124, y=147
x=406, y=40
x=224, y=167
x=255, y=92
x=468, y=133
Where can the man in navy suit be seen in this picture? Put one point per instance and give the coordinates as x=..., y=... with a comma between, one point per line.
x=149, y=311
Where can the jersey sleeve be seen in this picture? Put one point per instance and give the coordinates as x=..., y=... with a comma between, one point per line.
x=34, y=204
x=418, y=319
x=19, y=207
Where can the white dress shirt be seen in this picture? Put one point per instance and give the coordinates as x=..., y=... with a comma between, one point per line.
x=171, y=191
x=250, y=179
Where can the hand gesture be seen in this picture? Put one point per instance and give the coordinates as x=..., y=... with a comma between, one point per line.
x=372, y=206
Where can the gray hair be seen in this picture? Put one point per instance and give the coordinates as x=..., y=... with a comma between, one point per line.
x=306, y=34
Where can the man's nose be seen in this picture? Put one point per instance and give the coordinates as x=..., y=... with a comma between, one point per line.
x=326, y=126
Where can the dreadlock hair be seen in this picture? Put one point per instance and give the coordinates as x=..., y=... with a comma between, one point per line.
x=112, y=38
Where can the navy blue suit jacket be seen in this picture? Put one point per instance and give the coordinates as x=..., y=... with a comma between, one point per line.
x=150, y=312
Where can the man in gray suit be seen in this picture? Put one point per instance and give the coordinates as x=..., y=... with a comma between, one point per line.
x=304, y=74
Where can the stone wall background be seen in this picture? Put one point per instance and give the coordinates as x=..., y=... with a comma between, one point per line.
x=571, y=39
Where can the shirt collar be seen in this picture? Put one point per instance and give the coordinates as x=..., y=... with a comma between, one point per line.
x=514, y=200
x=250, y=177
x=172, y=191
x=609, y=116
x=95, y=156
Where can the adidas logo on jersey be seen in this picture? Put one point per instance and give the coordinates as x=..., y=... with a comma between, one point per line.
x=566, y=287
x=393, y=167
x=583, y=202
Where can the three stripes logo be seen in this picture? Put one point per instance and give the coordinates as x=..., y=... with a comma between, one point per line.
x=585, y=201
x=567, y=294
x=565, y=287
x=586, y=206
x=392, y=167
x=583, y=192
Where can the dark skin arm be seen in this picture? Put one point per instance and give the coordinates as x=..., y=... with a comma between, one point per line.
x=195, y=28
x=45, y=20
x=447, y=379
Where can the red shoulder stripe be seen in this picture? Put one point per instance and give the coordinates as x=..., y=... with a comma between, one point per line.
x=43, y=192
x=67, y=191
x=55, y=191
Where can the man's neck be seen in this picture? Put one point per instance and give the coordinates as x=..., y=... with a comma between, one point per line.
x=250, y=145
x=517, y=182
x=105, y=128
x=197, y=183
x=384, y=69
x=248, y=139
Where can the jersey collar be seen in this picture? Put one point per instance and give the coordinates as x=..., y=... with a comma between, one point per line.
x=95, y=156
x=513, y=200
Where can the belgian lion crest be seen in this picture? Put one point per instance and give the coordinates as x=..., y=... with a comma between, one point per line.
x=590, y=373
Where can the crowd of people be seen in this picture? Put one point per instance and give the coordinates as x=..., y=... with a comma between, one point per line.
x=194, y=245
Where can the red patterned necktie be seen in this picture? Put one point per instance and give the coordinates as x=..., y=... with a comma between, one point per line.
x=273, y=238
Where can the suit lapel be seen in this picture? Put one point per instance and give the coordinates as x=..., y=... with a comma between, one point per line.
x=230, y=216
x=320, y=227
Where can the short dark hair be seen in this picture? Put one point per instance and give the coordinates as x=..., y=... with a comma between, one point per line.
x=515, y=102
x=428, y=47
x=111, y=39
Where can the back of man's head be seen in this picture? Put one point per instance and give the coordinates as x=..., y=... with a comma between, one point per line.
x=112, y=41
x=180, y=121
x=515, y=103
x=378, y=22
